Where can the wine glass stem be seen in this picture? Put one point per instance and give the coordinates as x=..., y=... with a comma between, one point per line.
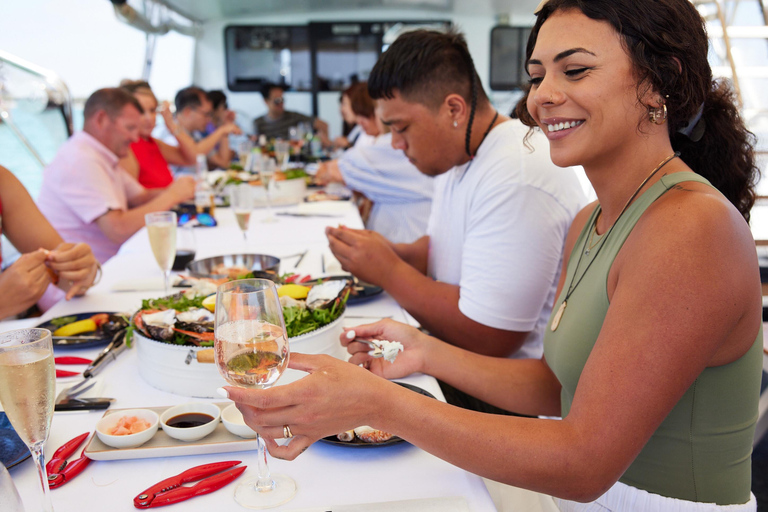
x=269, y=204
x=39, y=458
x=265, y=482
x=167, y=278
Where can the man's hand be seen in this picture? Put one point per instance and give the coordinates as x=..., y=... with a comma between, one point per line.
x=182, y=189
x=23, y=283
x=328, y=172
x=231, y=128
x=76, y=266
x=366, y=254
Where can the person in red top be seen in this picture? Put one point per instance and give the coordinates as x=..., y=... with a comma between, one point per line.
x=148, y=159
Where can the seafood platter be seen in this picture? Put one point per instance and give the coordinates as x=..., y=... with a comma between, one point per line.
x=174, y=334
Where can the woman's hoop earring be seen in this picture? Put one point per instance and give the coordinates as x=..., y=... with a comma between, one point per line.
x=658, y=115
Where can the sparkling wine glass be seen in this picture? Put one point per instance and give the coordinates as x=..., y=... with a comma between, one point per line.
x=27, y=386
x=241, y=198
x=282, y=153
x=267, y=172
x=161, y=227
x=251, y=351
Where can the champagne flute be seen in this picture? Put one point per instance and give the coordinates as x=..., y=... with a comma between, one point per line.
x=27, y=386
x=241, y=197
x=282, y=152
x=267, y=172
x=161, y=227
x=251, y=351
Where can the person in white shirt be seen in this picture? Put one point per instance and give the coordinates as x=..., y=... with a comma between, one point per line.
x=484, y=276
x=401, y=195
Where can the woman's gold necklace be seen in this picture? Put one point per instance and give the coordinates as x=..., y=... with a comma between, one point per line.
x=572, y=287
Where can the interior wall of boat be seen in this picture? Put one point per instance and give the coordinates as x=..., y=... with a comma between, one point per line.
x=210, y=66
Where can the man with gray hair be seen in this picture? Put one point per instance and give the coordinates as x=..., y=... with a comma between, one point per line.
x=86, y=196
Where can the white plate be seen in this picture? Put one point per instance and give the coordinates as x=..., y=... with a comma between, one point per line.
x=162, y=445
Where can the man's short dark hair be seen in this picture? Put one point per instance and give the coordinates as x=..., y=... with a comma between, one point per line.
x=426, y=66
x=266, y=89
x=217, y=98
x=189, y=97
x=111, y=100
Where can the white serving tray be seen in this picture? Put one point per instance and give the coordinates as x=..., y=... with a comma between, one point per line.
x=162, y=445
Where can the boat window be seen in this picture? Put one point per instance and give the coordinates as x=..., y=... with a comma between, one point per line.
x=259, y=54
x=508, y=57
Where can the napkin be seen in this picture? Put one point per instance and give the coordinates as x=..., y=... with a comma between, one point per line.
x=139, y=285
x=332, y=208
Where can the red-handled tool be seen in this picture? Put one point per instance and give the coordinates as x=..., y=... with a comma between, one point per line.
x=171, y=491
x=59, y=470
x=71, y=360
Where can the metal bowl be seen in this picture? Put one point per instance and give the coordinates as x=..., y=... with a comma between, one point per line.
x=262, y=265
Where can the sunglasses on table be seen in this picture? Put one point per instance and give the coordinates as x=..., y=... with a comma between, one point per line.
x=197, y=219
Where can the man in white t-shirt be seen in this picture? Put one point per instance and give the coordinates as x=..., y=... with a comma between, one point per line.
x=484, y=277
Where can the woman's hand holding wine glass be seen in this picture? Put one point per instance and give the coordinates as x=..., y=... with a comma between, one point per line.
x=251, y=351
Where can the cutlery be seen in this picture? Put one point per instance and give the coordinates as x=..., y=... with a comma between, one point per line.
x=75, y=390
x=110, y=353
x=75, y=338
x=297, y=214
x=115, y=347
x=298, y=262
x=83, y=404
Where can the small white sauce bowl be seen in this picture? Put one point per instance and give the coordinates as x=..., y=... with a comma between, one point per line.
x=110, y=421
x=234, y=422
x=192, y=433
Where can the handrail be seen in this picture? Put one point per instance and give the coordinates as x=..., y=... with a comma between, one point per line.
x=57, y=90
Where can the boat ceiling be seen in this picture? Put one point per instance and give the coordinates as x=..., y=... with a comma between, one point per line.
x=206, y=10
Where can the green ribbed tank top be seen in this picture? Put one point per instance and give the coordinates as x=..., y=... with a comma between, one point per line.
x=702, y=450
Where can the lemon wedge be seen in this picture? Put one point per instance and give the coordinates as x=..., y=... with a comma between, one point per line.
x=294, y=291
x=209, y=303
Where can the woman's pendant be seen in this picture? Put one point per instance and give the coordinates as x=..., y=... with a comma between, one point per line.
x=558, y=316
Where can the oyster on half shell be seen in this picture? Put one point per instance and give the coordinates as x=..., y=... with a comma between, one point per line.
x=321, y=296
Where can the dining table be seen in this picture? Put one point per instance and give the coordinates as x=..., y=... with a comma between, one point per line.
x=329, y=477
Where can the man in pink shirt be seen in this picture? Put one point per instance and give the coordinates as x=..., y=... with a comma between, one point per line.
x=86, y=196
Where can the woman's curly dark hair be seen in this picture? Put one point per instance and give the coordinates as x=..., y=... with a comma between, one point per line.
x=667, y=42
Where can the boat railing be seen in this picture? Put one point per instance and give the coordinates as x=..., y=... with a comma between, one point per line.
x=29, y=88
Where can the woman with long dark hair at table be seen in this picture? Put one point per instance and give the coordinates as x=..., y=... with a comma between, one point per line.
x=653, y=353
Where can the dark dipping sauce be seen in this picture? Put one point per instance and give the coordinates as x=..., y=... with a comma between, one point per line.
x=189, y=420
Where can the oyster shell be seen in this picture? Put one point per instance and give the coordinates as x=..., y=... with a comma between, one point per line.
x=290, y=302
x=322, y=295
x=195, y=316
x=160, y=325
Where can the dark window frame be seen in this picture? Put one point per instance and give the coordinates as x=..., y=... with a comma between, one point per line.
x=522, y=76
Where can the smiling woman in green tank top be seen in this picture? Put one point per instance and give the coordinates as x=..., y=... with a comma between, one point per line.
x=653, y=353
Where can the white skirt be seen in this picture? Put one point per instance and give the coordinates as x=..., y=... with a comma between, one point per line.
x=625, y=498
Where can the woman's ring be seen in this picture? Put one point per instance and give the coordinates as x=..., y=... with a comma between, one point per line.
x=287, y=432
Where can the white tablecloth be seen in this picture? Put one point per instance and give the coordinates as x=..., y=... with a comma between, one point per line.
x=327, y=476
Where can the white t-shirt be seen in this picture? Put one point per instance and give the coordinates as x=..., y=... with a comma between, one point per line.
x=497, y=230
x=401, y=195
